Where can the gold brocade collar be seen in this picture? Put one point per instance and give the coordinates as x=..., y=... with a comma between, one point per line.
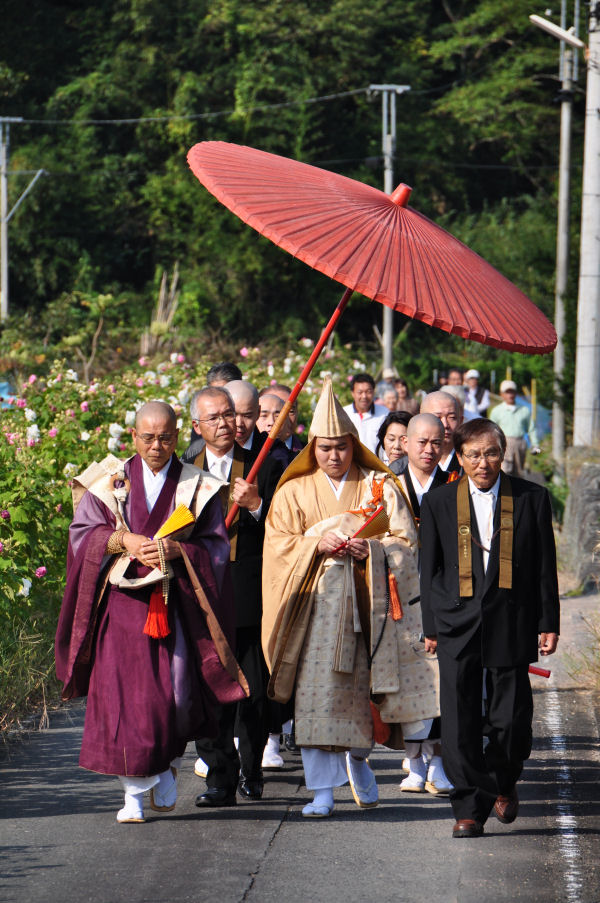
x=465, y=536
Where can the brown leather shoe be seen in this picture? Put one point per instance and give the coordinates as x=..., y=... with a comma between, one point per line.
x=467, y=827
x=506, y=808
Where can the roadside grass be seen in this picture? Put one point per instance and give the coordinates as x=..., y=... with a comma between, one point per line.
x=28, y=686
x=585, y=666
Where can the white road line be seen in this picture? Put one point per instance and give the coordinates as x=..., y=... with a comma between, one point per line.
x=568, y=840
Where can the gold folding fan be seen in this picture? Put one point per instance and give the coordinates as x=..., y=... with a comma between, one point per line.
x=181, y=518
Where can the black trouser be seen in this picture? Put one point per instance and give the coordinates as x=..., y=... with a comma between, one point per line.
x=478, y=777
x=246, y=719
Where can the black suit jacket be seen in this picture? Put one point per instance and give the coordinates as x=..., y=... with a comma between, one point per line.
x=246, y=569
x=510, y=619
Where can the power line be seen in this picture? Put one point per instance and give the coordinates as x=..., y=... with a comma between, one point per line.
x=196, y=116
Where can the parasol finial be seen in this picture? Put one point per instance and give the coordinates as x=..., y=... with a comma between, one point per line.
x=401, y=194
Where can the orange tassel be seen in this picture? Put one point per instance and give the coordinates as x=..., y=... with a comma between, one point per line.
x=395, y=603
x=381, y=730
x=157, y=622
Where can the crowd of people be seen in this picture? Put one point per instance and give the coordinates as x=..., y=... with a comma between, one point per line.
x=389, y=581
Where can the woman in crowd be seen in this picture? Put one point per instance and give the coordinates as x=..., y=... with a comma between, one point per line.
x=389, y=437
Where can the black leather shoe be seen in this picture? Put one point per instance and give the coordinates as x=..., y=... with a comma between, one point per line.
x=216, y=796
x=289, y=741
x=250, y=790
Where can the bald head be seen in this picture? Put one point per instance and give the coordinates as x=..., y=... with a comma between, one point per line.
x=155, y=409
x=420, y=422
x=449, y=411
x=155, y=434
x=423, y=443
x=245, y=400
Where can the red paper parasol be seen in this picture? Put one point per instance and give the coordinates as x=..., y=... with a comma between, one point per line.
x=372, y=243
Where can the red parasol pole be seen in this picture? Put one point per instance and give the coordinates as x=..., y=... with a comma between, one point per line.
x=293, y=396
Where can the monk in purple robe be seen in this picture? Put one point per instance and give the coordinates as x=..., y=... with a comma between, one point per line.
x=148, y=695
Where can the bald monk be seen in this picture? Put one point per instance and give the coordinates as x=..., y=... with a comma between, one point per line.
x=152, y=682
x=450, y=411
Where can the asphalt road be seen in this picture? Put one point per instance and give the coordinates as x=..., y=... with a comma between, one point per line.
x=61, y=844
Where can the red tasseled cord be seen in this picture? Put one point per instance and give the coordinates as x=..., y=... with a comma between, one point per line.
x=381, y=730
x=157, y=622
x=395, y=603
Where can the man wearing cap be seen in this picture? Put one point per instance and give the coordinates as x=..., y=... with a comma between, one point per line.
x=516, y=422
x=489, y=597
x=337, y=621
x=477, y=398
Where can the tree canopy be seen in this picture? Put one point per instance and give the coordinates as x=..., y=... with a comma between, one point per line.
x=113, y=94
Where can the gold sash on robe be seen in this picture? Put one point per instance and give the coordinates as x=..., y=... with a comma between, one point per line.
x=465, y=536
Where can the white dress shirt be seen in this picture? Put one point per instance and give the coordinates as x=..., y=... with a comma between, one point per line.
x=484, y=504
x=420, y=490
x=154, y=482
x=221, y=468
x=368, y=423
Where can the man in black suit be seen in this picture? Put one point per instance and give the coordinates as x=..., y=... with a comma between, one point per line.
x=213, y=417
x=488, y=591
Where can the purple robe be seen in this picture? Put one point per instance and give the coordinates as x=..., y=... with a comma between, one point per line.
x=146, y=697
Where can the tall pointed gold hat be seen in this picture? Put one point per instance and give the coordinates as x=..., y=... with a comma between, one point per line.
x=330, y=419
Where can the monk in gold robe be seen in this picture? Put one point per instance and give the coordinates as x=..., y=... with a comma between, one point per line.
x=338, y=626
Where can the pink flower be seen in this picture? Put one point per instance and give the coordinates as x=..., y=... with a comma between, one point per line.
x=98, y=429
x=21, y=403
x=273, y=382
x=93, y=388
x=300, y=428
x=59, y=507
x=41, y=571
x=111, y=389
x=69, y=412
x=122, y=446
x=4, y=514
x=244, y=352
x=142, y=361
x=84, y=406
x=52, y=432
x=58, y=377
x=180, y=358
x=139, y=382
x=1, y=547
x=32, y=379
x=31, y=442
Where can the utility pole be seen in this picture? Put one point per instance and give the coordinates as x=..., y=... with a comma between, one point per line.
x=388, y=146
x=5, y=214
x=567, y=74
x=562, y=251
x=587, y=374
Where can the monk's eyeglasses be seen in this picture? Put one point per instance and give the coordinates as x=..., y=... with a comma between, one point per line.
x=475, y=457
x=164, y=438
x=215, y=418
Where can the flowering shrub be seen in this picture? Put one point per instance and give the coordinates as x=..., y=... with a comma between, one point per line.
x=57, y=425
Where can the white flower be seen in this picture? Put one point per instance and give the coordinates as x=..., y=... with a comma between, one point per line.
x=33, y=432
x=25, y=587
x=113, y=444
x=287, y=365
x=85, y=436
x=30, y=415
x=174, y=357
x=184, y=395
x=164, y=381
x=70, y=470
x=271, y=370
x=308, y=343
x=115, y=430
x=72, y=375
x=179, y=423
x=130, y=418
x=150, y=376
